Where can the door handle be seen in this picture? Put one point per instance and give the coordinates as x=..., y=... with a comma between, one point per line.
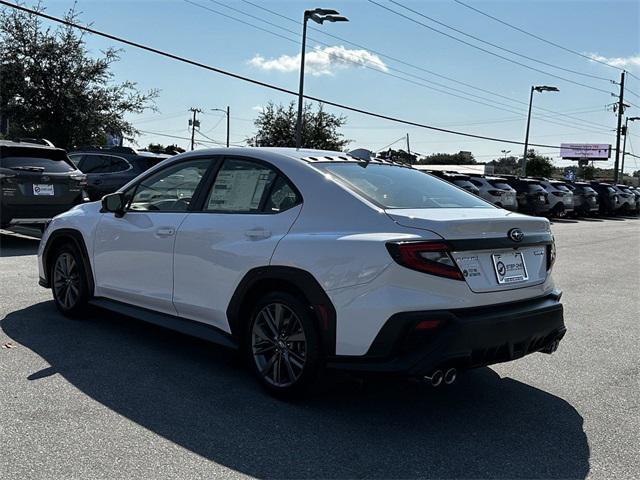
x=257, y=233
x=165, y=231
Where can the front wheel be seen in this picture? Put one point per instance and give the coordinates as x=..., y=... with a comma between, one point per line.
x=69, y=282
x=283, y=344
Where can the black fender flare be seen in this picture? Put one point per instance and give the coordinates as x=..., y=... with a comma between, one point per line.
x=70, y=236
x=267, y=278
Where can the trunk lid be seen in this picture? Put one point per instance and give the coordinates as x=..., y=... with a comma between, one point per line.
x=481, y=246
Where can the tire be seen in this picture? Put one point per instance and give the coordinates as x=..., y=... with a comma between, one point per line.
x=69, y=283
x=283, y=345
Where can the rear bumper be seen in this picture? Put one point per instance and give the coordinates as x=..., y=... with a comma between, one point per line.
x=465, y=338
x=34, y=214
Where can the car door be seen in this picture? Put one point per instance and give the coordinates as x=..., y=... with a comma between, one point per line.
x=133, y=253
x=247, y=210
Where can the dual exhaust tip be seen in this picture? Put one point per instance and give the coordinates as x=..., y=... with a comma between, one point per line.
x=438, y=377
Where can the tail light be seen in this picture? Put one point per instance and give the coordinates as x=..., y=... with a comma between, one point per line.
x=80, y=178
x=6, y=174
x=551, y=254
x=558, y=194
x=427, y=257
x=496, y=193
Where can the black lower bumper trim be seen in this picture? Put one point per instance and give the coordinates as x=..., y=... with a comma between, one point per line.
x=466, y=338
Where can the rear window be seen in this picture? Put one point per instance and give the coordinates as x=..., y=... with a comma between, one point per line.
x=561, y=187
x=535, y=187
x=52, y=161
x=465, y=184
x=391, y=186
x=500, y=185
x=586, y=189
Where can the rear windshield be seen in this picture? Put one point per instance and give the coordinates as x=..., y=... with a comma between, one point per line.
x=465, y=184
x=52, y=161
x=561, y=186
x=499, y=184
x=586, y=189
x=392, y=186
x=535, y=187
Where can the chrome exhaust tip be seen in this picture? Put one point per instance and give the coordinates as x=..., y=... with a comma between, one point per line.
x=435, y=378
x=450, y=376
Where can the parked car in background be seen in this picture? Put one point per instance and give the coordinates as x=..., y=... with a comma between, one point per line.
x=532, y=197
x=108, y=169
x=608, y=197
x=560, y=197
x=585, y=198
x=459, y=179
x=628, y=199
x=636, y=192
x=303, y=259
x=496, y=190
x=37, y=182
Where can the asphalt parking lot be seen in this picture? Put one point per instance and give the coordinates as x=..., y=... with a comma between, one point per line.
x=108, y=397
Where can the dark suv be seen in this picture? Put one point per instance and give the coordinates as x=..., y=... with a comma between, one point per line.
x=608, y=196
x=585, y=198
x=108, y=169
x=37, y=182
x=532, y=197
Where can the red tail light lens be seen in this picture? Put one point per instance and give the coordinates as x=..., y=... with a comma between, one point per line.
x=427, y=257
x=551, y=254
x=496, y=193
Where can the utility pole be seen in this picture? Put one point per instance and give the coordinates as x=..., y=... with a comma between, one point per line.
x=408, y=147
x=619, y=129
x=193, y=123
x=228, y=123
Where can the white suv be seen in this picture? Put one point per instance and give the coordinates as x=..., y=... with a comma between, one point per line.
x=305, y=259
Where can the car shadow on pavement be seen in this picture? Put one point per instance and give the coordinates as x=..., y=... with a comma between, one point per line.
x=12, y=245
x=199, y=397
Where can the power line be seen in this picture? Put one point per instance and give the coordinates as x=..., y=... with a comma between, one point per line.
x=536, y=36
x=395, y=59
x=512, y=52
x=483, y=49
x=258, y=82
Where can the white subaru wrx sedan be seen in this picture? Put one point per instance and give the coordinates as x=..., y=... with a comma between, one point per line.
x=307, y=259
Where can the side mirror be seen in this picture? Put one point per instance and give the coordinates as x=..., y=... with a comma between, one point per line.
x=114, y=203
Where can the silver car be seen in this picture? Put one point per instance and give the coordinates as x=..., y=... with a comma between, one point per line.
x=496, y=191
x=560, y=197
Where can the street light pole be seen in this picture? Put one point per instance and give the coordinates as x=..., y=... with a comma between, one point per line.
x=318, y=15
x=504, y=152
x=539, y=88
x=227, y=113
x=624, y=144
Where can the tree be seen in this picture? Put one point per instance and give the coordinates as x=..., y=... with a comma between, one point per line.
x=400, y=156
x=169, y=149
x=460, y=158
x=50, y=86
x=276, y=126
x=505, y=165
x=537, y=165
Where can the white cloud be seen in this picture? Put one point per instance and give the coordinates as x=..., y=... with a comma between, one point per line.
x=630, y=61
x=257, y=108
x=321, y=61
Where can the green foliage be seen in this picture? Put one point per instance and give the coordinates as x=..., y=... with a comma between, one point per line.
x=276, y=126
x=538, y=166
x=588, y=172
x=169, y=149
x=50, y=87
x=460, y=158
x=400, y=156
x=505, y=166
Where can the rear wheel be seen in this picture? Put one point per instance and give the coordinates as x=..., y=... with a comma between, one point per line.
x=283, y=344
x=69, y=281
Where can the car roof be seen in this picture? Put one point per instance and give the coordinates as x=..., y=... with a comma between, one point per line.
x=9, y=146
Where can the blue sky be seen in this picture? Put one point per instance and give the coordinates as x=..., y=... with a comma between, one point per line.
x=606, y=28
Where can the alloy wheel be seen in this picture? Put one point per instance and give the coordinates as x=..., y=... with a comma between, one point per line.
x=279, y=345
x=66, y=281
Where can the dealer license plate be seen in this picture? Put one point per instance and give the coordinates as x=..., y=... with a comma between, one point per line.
x=42, y=189
x=509, y=267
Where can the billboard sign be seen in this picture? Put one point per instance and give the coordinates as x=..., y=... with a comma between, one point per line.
x=585, y=151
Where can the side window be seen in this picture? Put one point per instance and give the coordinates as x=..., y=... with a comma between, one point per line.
x=76, y=159
x=282, y=197
x=170, y=189
x=240, y=187
x=477, y=183
x=116, y=164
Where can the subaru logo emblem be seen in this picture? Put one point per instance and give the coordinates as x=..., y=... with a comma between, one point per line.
x=44, y=178
x=515, y=234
